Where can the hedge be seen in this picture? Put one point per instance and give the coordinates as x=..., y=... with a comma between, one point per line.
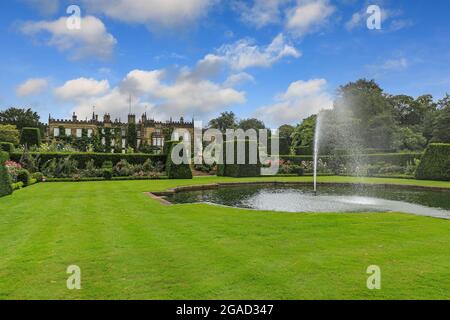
x=30, y=137
x=99, y=158
x=399, y=159
x=239, y=170
x=176, y=171
x=5, y=179
x=435, y=164
x=7, y=147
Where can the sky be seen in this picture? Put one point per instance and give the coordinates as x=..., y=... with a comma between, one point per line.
x=278, y=60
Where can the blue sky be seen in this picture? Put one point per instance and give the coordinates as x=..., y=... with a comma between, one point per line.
x=279, y=60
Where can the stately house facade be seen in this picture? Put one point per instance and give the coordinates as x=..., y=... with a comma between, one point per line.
x=149, y=132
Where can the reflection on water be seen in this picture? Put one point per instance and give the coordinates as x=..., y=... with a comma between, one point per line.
x=330, y=199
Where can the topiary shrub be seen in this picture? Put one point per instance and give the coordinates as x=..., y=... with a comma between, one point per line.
x=239, y=170
x=7, y=147
x=177, y=171
x=107, y=174
x=435, y=163
x=38, y=176
x=24, y=176
x=30, y=137
x=5, y=179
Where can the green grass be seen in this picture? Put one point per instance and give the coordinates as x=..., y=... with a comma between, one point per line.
x=129, y=246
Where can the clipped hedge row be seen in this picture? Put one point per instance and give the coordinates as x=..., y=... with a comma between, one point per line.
x=399, y=159
x=239, y=170
x=5, y=180
x=99, y=158
x=7, y=147
x=435, y=164
x=176, y=171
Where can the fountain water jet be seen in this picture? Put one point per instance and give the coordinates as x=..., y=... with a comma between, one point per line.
x=316, y=151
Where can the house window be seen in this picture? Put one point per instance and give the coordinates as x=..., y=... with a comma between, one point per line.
x=79, y=133
x=124, y=143
x=158, y=131
x=56, y=132
x=124, y=133
x=68, y=132
x=89, y=133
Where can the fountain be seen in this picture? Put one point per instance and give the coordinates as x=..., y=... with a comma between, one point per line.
x=316, y=151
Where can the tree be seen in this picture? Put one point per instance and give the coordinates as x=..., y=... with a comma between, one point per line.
x=21, y=118
x=252, y=123
x=9, y=133
x=406, y=139
x=227, y=120
x=441, y=131
x=303, y=135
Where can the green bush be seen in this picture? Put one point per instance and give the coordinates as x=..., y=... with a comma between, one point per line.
x=435, y=164
x=24, y=176
x=9, y=133
x=5, y=179
x=239, y=170
x=107, y=174
x=39, y=176
x=83, y=158
x=17, y=186
x=176, y=171
x=30, y=137
x=7, y=147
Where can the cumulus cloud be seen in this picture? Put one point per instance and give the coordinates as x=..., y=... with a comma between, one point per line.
x=164, y=97
x=32, y=87
x=245, y=54
x=167, y=13
x=308, y=16
x=82, y=88
x=91, y=40
x=238, y=79
x=260, y=13
x=301, y=100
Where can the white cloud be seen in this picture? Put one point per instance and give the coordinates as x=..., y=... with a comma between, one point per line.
x=46, y=7
x=308, y=16
x=184, y=95
x=395, y=64
x=91, y=40
x=245, y=54
x=167, y=13
x=261, y=13
x=238, y=79
x=32, y=87
x=301, y=100
x=81, y=88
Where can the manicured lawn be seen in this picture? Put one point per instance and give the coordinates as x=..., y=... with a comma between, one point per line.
x=129, y=246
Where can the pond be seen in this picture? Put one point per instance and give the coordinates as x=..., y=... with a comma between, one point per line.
x=338, y=198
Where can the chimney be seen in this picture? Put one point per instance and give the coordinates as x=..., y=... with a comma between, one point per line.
x=96, y=117
x=181, y=120
x=131, y=118
x=74, y=117
x=107, y=118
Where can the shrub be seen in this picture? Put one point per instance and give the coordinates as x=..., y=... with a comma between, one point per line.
x=177, y=171
x=435, y=164
x=30, y=137
x=5, y=179
x=239, y=170
x=17, y=186
x=7, y=147
x=9, y=133
x=99, y=158
x=39, y=176
x=62, y=168
x=123, y=169
x=107, y=174
x=24, y=176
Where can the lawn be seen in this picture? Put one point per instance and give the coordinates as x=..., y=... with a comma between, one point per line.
x=129, y=246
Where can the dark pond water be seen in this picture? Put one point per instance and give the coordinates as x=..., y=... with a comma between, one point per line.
x=329, y=199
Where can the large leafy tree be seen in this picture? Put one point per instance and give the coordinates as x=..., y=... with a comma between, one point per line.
x=227, y=120
x=252, y=123
x=441, y=132
x=303, y=134
x=21, y=118
x=9, y=133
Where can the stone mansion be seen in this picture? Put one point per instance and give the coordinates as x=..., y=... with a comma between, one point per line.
x=149, y=132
